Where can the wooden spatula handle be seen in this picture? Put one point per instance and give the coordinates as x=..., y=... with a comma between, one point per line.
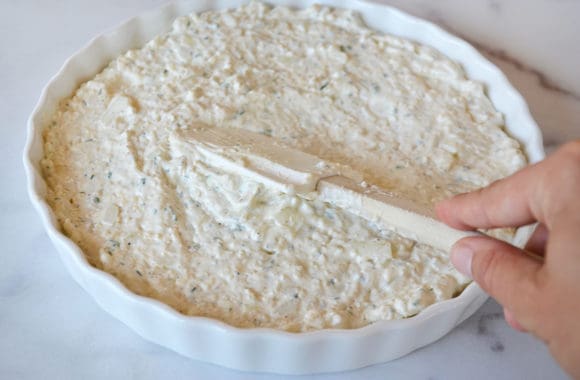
x=403, y=216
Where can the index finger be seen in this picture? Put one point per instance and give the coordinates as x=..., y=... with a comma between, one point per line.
x=539, y=192
x=504, y=203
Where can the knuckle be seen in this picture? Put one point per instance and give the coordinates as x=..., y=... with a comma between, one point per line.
x=569, y=159
x=572, y=156
x=487, y=194
x=562, y=182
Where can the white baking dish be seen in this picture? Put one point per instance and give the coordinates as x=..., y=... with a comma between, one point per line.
x=266, y=349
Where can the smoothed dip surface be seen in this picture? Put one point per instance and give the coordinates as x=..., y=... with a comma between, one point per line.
x=145, y=207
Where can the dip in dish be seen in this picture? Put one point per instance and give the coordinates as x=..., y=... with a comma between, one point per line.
x=143, y=207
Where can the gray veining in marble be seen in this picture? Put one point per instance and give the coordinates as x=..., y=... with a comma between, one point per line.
x=535, y=43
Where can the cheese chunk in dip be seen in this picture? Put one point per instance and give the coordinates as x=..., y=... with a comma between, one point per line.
x=145, y=207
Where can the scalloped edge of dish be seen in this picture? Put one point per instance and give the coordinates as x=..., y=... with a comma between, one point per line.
x=260, y=349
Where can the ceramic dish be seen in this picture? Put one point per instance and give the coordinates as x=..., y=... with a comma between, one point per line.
x=260, y=349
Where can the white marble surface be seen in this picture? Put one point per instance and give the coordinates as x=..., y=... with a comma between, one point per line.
x=50, y=329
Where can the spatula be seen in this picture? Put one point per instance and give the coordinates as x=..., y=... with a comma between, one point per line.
x=292, y=171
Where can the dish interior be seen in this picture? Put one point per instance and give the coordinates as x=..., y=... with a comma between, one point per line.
x=136, y=32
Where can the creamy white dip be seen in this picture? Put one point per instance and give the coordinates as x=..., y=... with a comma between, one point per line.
x=146, y=208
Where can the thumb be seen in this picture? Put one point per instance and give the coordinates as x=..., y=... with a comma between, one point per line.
x=501, y=270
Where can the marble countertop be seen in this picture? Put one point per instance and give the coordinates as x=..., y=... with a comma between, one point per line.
x=51, y=329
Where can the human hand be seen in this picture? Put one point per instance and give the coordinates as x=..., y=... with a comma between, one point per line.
x=542, y=298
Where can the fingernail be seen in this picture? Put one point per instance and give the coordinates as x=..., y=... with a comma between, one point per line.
x=461, y=257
